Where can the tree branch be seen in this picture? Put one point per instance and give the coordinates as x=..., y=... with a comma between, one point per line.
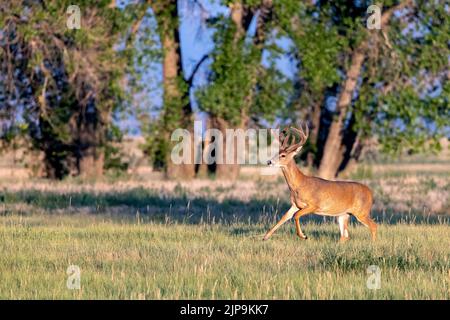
x=190, y=80
x=265, y=14
x=137, y=24
x=386, y=16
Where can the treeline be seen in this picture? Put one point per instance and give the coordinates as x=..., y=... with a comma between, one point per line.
x=61, y=88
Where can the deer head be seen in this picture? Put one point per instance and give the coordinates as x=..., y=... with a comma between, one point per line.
x=289, y=148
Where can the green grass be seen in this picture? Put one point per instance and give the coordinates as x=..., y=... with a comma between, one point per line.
x=202, y=240
x=130, y=257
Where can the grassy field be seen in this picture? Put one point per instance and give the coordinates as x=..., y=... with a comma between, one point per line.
x=136, y=239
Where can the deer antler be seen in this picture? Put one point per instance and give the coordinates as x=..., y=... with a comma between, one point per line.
x=303, y=134
x=283, y=138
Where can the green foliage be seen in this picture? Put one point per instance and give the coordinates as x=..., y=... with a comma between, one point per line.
x=156, y=148
x=318, y=49
x=231, y=79
x=68, y=77
x=404, y=97
x=401, y=98
x=239, y=85
x=173, y=114
x=113, y=154
x=271, y=94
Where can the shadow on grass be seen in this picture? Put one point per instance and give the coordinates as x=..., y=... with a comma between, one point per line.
x=178, y=207
x=323, y=234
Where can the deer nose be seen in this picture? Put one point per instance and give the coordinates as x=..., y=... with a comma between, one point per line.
x=269, y=162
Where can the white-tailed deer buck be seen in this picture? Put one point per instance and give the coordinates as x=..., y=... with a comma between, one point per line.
x=315, y=195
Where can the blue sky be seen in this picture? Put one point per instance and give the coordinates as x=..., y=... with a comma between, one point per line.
x=196, y=41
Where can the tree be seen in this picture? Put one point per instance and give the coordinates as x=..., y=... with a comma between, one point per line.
x=335, y=147
x=237, y=93
x=177, y=111
x=61, y=87
x=67, y=82
x=373, y=75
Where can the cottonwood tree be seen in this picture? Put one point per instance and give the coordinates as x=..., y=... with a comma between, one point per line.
x=385, y=82
x=65, y=82
x=176, y=111
x=240, y=89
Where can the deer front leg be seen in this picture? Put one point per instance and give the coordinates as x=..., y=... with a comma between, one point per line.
x=288, y=215
x=297, y=216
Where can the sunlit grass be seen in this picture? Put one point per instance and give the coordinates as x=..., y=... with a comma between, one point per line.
x=134, y=259
x=157, y=239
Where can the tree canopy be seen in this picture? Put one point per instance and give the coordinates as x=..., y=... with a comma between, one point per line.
x=61, y=87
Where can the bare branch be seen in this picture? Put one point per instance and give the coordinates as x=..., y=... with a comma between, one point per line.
x=190, y=80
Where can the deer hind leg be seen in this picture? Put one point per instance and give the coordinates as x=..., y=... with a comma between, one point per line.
x=366, y=220
x=343, y=227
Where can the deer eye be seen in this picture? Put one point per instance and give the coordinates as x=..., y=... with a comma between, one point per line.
x=283, y=156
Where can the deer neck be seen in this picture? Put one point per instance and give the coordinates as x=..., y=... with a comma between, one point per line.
x=294, y=177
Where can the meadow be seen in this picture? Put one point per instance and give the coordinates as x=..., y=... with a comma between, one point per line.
x=136, y=238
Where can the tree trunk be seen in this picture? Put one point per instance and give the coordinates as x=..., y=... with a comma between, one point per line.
x=91, y=164
x=350, y=144
x=203, y=167
x=241, y=17
x=314, y=132
x=177, y=108
x=172, y=72
x=55, y=151
x=90, y=139
x=225, y=171
x=334, y=149
x=184, y=171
